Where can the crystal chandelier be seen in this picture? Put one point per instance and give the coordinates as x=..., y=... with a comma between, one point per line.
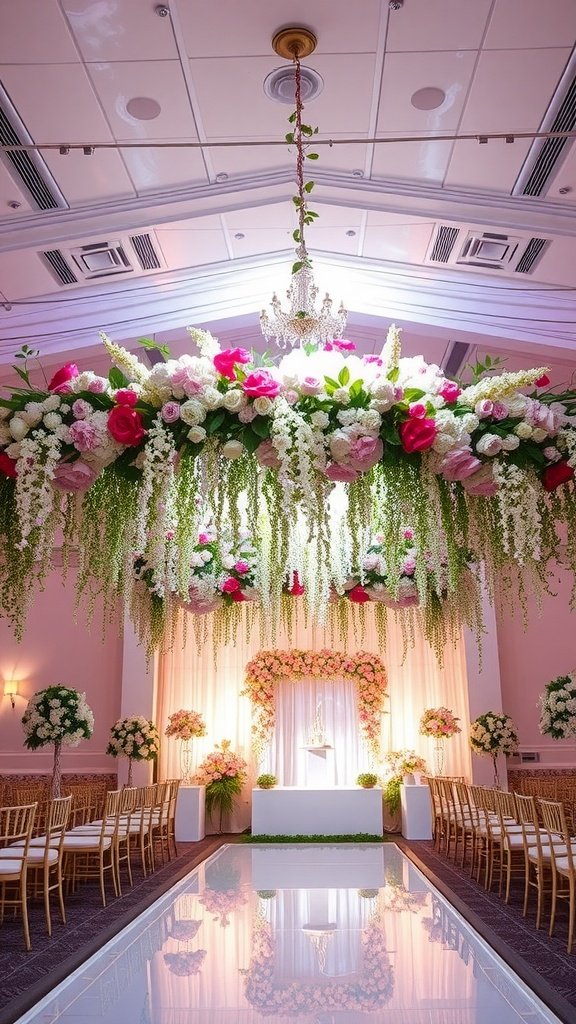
x=303, y=324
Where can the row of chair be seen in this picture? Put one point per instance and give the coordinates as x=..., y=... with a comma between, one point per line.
x=136, y=822
x=508, y=834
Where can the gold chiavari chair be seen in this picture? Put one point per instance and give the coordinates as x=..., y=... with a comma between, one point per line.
x=16, y=825
x=159, y=820
x=174, y=787
x=563, y=856
x=436, y=810
x=90, y=850
x=45, y=856
x=537, y=857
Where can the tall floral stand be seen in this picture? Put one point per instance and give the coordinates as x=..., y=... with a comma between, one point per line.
x=495, y=768
x=186, y=772
x=439, y=757
x=56, y=788
x=129, y=779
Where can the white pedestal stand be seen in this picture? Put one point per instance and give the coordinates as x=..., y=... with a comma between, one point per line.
x=416, y=812
x=317, y=764
x=190, y=814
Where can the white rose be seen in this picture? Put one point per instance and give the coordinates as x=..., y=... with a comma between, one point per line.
x=517, y=405
x=234, y=400
x=18, y=428
x=523, y=431
x=196, y=435
x=469, y=422
x=32, y=413
x=320, y=419
x=51, y=403
x=342, y=396
x=262, y=405
x=192, y=413
x=370, y=419
x=539, y=435
x=443, y=443
x=346, y=417
x=52, y=420
x=211, y=398
x=232, y=450
x=510, y=443
x=489, y=444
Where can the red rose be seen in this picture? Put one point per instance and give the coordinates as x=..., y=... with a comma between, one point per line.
x=230, y=585
x=297, y=588
x=7, y=465
x=237, y=596
x=226, y=361
x=358, y=594
x=125, y=396
x=261, y=384
x=556, y=474
x=542, y=381
x=125, y=425
x=61, y=378
x=417, y=435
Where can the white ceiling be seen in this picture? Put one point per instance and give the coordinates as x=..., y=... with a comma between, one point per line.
x=69, y=68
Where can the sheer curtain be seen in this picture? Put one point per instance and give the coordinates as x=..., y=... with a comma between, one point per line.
x=194, y=675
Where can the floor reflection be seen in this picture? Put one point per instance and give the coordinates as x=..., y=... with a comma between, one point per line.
x=324, y=935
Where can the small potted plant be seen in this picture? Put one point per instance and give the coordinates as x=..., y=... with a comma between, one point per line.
x=367, y=780
x=266, y=781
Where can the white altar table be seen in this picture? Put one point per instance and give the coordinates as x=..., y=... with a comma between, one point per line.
x=416, y=812
x=190, y=814
x=342, y=810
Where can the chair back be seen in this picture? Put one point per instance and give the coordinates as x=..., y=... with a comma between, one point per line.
x=16, y=825
x=506, y=805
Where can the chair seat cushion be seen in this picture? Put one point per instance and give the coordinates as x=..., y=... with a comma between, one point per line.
x=74, y=842
x=11, y=867
x=35, y=854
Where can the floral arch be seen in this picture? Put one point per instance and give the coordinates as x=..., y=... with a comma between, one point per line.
x=268, y=668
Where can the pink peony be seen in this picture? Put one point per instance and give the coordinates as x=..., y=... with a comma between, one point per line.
x=170, y=412
x=242, y=567
x=267, y=455
x=500, y=411
x=365, y=452
x=459, y=464
x=261, y=384
x=483, y=408
x=310, y=386
x=341, y=474
x=81, y=409
x=225, y=362
x=449, y=391
x=73, y=476
x=85, y=435
x=482, y=483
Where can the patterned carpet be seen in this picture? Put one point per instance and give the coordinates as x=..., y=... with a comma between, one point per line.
x=25, y=977
x=541, y=961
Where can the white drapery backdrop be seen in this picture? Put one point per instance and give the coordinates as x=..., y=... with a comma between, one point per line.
x=193, y=675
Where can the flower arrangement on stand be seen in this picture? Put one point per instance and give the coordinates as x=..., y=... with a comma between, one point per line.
x=480, y=472
x=61, y=716
x=223, y=773
x=185, y=725
x=558, y=708
x=223, y=893
x=186, y=962
x=136, y=738
x=440, y=724
x=400, y=764
x=492, y=734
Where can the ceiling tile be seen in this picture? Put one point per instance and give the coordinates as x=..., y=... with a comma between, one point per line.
x=193, y=243
x=56, y=103
x=10, y=192
x=558, y=264
x=493, y=167
x=110, y=30
x=23, y=275
x=277, y=216
x=565, y=177
x=33, y=32
x=90, y=179
x=229, y=28
x=519, y=24
x=442, y=25
x=154, y=170
x=412, y=161
x=406, y=243
x=161, y=80
x=406, y=73
x=233, y=104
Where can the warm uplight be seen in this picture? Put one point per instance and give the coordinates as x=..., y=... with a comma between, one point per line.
x=11, y=690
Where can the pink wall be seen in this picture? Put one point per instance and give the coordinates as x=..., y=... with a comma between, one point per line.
x=530, y=658
x=58, y=649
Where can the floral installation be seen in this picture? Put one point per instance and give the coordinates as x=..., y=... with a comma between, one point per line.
x=370, y=989
x=223, y=893
x=224, y=774
x=481, y=471
x=440, y=723
x=400, y=763
x=185, y=931
x=136, y=738
x=58, y=715
x=185, y=725
x=558, y=707
x=186, y=963
x=492, y=734
x=265, y=671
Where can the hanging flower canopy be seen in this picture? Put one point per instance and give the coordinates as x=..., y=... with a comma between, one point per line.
x=268, y=668
x=327, y=474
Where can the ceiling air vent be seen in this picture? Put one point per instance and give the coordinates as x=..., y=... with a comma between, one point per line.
x=552, y=149
x=488, y=250
x=59, y=266
x=27, y=168
x=101, y=259
x=443, y=244
x=147, y=256
x=531, y=255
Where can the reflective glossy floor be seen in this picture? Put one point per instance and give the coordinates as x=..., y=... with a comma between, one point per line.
x=324, y=934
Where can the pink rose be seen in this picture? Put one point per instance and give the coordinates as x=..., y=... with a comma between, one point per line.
x=358, y=595
x=417, y=409
x=291, y=397
x=341, y=474
x=225, y=362
x=407, y=534
x=170, y=412
x=365, y=452
x=483, y=408
x=459, y=464
x=417, y=435
x=310, y=386
x=97, y=386
x=242, y=567
x=500, y=411
x=8, y=465
x=61, y=380
x=125, y=425
x=230, y=585
x=81, y=409
x=343, y=345
x=247, y=414
x=267, y=455
x=125, y=396
x=542, y=381
x=261, y=384
x=449, y=391
x=85, y=435
x=482, y=483
x=73, y=476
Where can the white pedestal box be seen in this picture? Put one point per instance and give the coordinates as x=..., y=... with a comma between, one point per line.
x=343, y=810
x=416, y=812
x=190, y=814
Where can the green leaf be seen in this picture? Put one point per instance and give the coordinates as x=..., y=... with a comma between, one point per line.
x=390, y=433
x=296, y=235
x=296, y=200
x=413, y=394
x=212, y=422
x=394, y=374
x=356, y=388
x=308, y=186
x=261, y=426
x=289, y=138
x=117, y=378
x=23, y=374
x=311, y=156
x=344, y=376
x=306, y=129
x=297, y=266
x=333, y=383
x=292, y=118
x=250, y=439
x=312, y=214
x=150, y=344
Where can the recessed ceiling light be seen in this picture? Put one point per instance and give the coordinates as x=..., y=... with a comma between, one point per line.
x=239, y=235
x=222, y=176
x=350, y=234
x=358, y=173
x=565, y=190
x=279, y=85
x=143, y=108
x=429, y=98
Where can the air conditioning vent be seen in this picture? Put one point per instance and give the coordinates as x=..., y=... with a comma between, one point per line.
x=443, y=244
x=552, y=149
x=28, y=169
x=101, y=259
x=488, y=250
x=147, y=256
x=59, y=266
x=529, y=756
x=531, y=255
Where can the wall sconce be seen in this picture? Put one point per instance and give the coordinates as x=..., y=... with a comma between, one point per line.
x=11, y=690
